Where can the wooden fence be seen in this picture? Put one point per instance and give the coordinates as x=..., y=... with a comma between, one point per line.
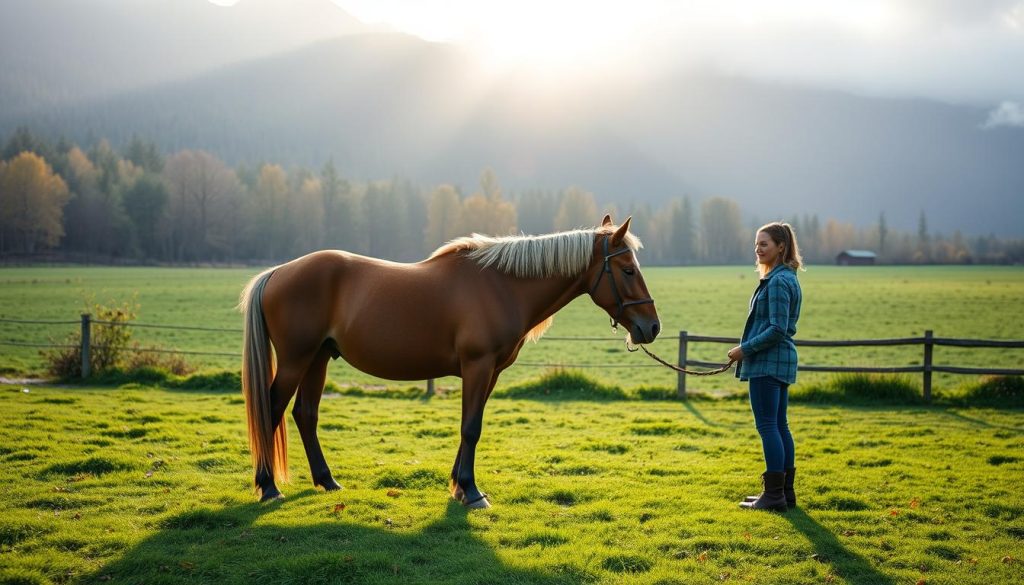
x=928, y=343
x=927, y=367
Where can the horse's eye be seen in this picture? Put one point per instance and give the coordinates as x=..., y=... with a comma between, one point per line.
x=629, y=271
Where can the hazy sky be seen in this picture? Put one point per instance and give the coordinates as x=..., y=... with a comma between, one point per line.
x=958, y=51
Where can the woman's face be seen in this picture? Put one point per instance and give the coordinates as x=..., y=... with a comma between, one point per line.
x=768, y=252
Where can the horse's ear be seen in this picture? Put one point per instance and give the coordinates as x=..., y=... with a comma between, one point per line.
x=607, y=221
x=620, y=234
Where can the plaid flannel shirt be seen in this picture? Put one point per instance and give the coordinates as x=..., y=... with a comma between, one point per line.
x=767, y=341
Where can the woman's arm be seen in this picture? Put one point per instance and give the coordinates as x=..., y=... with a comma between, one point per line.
x=779, y=297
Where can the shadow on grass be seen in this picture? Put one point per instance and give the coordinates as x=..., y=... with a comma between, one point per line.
x=688, y=405
x=244, y=544
x=850, y=566
x=979, y=422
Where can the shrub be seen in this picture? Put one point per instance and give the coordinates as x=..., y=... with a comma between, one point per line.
x=111, y=335
x=560, y=384
x=996, y=391
x=64, y=363
x=217, y=380
x=169, y=362
x=107, y=344
x=656, y=393
x=112, y=357
x=409, y=393
x=861, y=389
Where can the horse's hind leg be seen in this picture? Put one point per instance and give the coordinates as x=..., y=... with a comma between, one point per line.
x=289, y=373
x=306, y=414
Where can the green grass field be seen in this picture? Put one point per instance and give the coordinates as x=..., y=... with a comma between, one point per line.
x=153, y=486
x=839, y=303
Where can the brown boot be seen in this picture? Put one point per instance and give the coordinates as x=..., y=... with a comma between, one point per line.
x=773, y=497
x=788, y=489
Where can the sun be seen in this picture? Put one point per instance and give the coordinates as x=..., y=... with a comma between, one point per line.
x=538, y=35
x=563, y=39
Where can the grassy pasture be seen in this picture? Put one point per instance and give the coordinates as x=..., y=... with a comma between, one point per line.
x=839, y=303
x=152, y=486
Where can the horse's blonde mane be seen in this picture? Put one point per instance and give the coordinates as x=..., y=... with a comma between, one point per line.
x=559, y=254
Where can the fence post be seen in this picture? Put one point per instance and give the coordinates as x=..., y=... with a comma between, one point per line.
x=86, y=334
x=430, y=387
x=928, y=345
x=681, y=377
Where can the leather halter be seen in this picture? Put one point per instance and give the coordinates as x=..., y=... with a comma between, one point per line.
x=621, y=306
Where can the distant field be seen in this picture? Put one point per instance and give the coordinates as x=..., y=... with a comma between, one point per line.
x=839, y=303
x=154, y=486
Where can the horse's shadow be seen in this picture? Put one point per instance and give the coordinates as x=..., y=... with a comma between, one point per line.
x=245, y=544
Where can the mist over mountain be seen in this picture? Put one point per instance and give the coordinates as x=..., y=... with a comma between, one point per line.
x=383, y=105
x=54, y=52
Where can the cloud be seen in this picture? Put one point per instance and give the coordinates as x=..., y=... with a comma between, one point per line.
x=956, y=51
x=1007, y=114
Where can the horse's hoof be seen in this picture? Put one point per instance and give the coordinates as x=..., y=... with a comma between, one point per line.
x=480, y=503
x=272, y=496
x=329, y=485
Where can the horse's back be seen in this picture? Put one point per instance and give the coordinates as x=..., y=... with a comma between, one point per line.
x=386, y=318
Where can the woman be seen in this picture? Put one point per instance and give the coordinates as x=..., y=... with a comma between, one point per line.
x=767, y=358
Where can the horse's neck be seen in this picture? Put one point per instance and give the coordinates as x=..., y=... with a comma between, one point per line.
x=543, y=297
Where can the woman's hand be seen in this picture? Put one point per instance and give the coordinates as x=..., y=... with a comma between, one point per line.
x=736, y=353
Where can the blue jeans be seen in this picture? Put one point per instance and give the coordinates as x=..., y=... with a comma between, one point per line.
x=768, y=399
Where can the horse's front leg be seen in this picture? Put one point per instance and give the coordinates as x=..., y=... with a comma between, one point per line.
x=478, y=378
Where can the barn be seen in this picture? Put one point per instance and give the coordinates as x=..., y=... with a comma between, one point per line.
x=855, y=258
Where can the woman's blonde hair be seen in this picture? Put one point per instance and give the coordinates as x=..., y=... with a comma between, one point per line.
x=783, y=235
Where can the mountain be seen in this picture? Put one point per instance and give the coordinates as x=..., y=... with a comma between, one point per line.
x=61, y=51
x=384, y=105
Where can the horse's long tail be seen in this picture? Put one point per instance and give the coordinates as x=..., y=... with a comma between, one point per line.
x=269, y=448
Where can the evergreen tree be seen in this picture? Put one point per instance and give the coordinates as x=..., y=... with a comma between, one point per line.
x=883, y=232
x=923, y=239
x=144, y=155
x=577, y=210
x=145, y=202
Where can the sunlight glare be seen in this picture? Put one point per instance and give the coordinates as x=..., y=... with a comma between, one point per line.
x=573, y=35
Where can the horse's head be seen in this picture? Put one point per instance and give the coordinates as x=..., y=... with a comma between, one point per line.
x=617, y=285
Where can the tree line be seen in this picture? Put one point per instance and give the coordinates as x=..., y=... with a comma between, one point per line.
x=139, y=206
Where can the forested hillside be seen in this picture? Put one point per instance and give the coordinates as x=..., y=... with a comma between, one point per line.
x=381, y=105
x=138, y=205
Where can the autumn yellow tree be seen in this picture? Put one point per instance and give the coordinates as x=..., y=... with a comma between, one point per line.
x=307, y=212
x=487, y=211
x=444, y=212
x=32, y=200
x=270, y=211
x=577, y=210
x=836, y=237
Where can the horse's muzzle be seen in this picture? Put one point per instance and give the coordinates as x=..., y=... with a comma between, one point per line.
x=645, y=331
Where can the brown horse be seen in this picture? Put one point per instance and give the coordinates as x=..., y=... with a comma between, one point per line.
x=465, y=311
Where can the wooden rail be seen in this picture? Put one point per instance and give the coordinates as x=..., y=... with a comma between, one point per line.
x=928, y=341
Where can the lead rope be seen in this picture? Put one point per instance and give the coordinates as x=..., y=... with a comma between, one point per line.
x=684, y=370
x=632, y=348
